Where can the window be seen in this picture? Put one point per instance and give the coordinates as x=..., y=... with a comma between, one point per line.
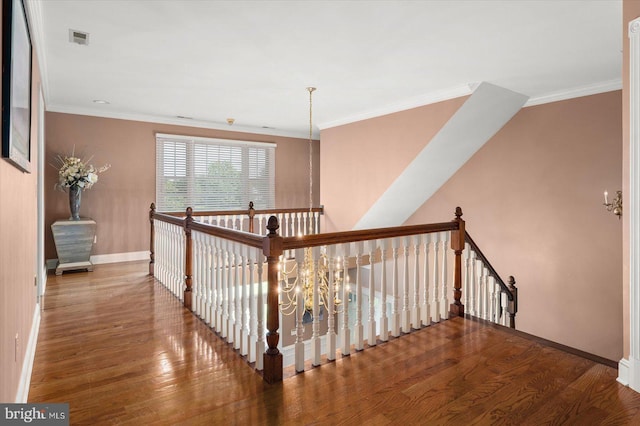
x=213, y=174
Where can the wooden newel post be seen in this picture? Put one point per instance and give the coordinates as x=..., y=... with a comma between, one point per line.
x=457, y=245
x=251, y=214
x=272, y=249
x=152, y=255
x=512, y=308
x=188, y=259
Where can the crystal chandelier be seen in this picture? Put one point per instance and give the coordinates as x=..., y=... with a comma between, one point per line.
x=297, y=279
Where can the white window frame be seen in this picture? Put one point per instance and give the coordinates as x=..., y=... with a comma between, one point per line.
x=183, y=184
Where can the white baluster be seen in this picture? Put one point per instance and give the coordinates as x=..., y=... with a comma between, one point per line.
x=171, y=260
x=345, y=333
x=496, y=301
x=260, y=330
x=425, y=310
x=208, y=263
x=358, y=328
x=177, y=256
x=299, y=345
x=483, y=293
x=163, y=250
x=395, y=313
x=331, y=310
x=316, y=353
x=182, y=247
x=168, y=263
x=384, y=320
x=237, y=317
x=220, y=286
x=244, y=320
x=225, y=290
x=291, y=225
x=415, y=309
x=371, y=324
x=466, y=285
x=492, y=298
x=253, y=307
x=435, y=302
x=317, y=219
x=284, y=225
x=301, y=229
x=444, y=301
x=504, y=299
x=201, y=284
x=473, y=285
x=195, y=283
x=203, y=276
x=405, y=317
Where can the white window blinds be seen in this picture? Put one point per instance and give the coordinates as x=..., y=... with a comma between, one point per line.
x=213, y=174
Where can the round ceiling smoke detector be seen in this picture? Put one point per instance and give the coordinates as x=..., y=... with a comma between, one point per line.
x=230, y=121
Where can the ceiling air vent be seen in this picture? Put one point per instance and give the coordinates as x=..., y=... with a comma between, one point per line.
x=78, y=37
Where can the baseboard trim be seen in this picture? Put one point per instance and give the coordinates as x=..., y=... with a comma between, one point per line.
x=27, y=365
x=623, y=372
x=119, y=257
x=99, y=259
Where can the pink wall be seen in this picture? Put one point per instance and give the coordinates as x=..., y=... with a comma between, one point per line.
x=360, y=160
x=119, y=201
x=18, y=246
x=532, y=198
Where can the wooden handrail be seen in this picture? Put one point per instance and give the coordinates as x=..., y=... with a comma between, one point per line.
x=246, y=212
x=510, y=289
x=164, y=217
x=314, y=240
x=252, y=240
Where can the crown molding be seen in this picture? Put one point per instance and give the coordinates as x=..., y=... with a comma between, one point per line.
x=148, y=118
x=576, y=92
x=426, y=99
x=467, y=89
x=36, y=30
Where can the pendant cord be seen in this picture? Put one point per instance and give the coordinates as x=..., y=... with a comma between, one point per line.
x=310, y=89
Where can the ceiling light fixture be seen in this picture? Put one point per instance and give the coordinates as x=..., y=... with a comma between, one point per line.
x=298, y=291
x=230, y=121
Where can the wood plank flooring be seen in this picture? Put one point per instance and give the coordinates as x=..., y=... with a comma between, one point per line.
x=120, y=349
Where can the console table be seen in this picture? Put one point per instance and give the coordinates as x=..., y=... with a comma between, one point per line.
x=74, y=240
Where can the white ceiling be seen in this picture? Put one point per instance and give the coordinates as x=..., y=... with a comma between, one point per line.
x=252, y=60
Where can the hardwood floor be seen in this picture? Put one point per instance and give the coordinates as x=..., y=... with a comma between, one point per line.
x=121, y=350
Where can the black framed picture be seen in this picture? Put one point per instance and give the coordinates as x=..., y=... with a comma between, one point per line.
x=16, y=85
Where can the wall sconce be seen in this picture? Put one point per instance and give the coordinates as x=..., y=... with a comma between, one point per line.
x=616, y=205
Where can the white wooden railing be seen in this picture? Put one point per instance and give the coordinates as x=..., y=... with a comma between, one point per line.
x=293, y=222
x=392, y=282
